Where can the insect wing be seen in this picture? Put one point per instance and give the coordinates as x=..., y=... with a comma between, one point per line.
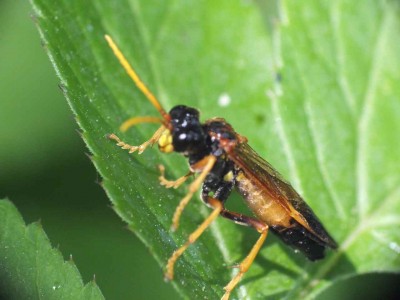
x=260, y=171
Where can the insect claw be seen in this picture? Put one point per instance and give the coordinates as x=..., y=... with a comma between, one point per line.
x=166, y=278
x=164, y=184
x=174, y=227
x=169, y=184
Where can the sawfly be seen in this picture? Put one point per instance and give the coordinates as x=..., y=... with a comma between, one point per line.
x=224, y=161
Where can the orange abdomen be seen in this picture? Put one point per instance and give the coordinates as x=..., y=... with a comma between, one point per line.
x=261, y=203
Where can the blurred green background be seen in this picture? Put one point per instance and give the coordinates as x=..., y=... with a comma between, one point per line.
x=45, y=171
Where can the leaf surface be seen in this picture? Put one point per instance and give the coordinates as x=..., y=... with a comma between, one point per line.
x=313, y=87
x=30, y=268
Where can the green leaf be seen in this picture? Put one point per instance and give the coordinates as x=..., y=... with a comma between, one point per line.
x=342, y=70
x=30, y=268
x=313, y=87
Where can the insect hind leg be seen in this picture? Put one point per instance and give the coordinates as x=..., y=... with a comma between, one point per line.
x=243, y=267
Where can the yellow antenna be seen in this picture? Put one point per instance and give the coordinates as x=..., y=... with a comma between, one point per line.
x=132, y=74
x=137, y=120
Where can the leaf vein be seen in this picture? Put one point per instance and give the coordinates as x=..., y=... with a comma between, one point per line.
x=319, y=153
x=340, y=58
x=294, y=173
x=365, y=117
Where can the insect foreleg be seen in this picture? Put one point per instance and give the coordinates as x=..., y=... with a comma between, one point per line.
x=138, y=120
x=141, y=147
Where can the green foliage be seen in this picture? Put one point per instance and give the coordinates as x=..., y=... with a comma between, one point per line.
x=313, y=87
x=30, y=268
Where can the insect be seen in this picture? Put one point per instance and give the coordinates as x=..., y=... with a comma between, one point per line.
x=223, y=160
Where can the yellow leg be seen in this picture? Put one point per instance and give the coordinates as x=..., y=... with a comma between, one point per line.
x=206, y=164
x=169, y=183
x=246, y=263
x=169, y=274
x=143, y=146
